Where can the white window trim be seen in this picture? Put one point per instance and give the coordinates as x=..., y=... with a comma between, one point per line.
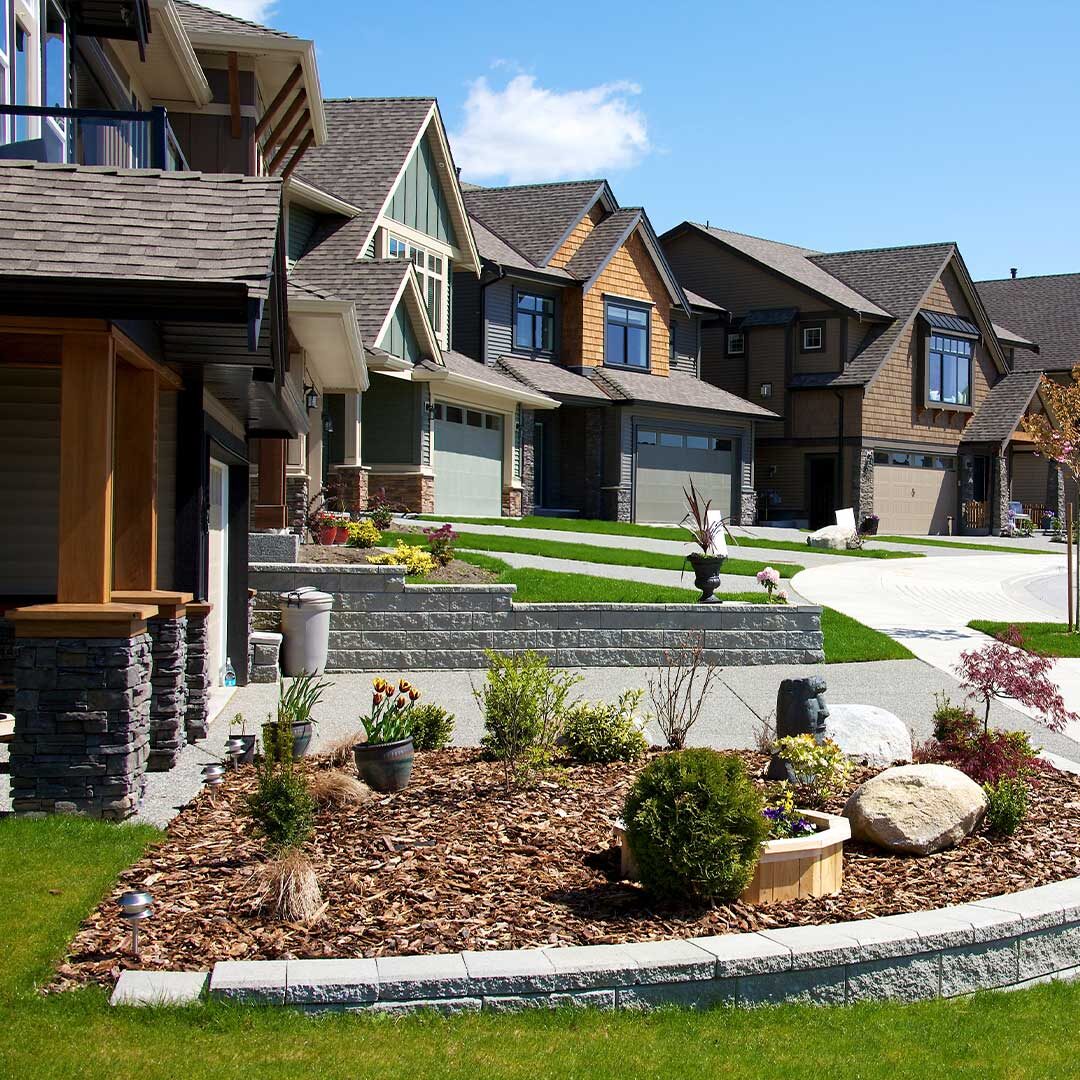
x=741, y=350
x=820, y=338
x=402, y=236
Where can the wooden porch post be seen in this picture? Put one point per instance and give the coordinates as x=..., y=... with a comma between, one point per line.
x=87, y=389
x=135, y=488
x=270, y=504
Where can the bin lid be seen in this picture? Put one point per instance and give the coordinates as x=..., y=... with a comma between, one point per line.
x=306, y=597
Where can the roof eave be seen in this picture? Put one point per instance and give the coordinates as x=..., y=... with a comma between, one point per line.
x=524, y=396
x=346, y=312
x=167, y=21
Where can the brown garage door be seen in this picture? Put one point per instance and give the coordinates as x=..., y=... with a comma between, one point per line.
x=914, y=494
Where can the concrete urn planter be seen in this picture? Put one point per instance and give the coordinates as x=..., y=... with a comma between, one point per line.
x=786, y=869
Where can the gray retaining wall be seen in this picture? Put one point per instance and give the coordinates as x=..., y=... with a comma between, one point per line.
x=379, y=622
x=1006, y=941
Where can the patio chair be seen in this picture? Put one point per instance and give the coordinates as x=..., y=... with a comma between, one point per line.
x=845, y=519
x=1017, y=511
x=715, y=521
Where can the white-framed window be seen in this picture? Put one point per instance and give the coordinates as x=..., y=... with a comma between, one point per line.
x=431, y=269
x=813, y=338
x=736, y=344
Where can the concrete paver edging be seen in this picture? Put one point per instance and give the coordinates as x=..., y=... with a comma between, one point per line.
x=1003, y=942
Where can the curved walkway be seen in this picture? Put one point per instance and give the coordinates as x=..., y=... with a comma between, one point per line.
x=927, y=603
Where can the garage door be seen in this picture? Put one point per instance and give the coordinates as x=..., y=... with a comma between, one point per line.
x=664, y=463
x=468, y=462
x=914, y=493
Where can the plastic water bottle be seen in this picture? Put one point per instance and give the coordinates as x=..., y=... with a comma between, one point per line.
x=230, y=672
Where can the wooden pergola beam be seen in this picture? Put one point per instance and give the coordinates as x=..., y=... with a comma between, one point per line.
x=290, y=140
x=301, y=150
x=279, y=129
x=287, y=87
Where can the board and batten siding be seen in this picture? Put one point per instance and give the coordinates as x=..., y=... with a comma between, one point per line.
x=419, y=200
x=399, y=338
x=166, y=488
x=30, y=480
x=498, y=319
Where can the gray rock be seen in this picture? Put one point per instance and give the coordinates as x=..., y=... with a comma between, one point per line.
x=869, y=735
x=917, y=809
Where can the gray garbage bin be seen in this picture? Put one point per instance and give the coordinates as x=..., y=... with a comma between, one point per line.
x=305, y=624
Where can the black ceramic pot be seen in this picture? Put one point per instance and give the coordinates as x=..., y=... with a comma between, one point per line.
x=301, y=738
x=707, y=575
x=385, y=766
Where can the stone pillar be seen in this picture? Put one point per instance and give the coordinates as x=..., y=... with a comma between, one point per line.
x=528, y=461
x=197, y=672
x=82, y=725
x=168, y=699
x=1056, y=495
x=296, y=500
x=1001, y=489
x=748, y=507
x=617, y=504
x=351, y=485
x=863, y=485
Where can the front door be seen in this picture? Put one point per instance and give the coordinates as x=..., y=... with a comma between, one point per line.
x=822, y=493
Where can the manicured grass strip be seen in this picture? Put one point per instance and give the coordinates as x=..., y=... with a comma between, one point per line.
x=926, y=541
x=54, y=871
x=553, y=549
x=848, y=641
x=1048, y=638
x=658, y=532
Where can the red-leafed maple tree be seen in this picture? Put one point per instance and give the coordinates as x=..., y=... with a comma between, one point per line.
x=1004, y=670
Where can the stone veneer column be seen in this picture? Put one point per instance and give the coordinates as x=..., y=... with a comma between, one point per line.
x=748, y=507
x=82, y=724
x=528, y=461
x=999, y=505
x=1057, y=493
x=351, y=485
x=197, y=672
x=296, y=500
x=168, y=699
x=864, y=485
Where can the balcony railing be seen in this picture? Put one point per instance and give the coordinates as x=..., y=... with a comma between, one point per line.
x=128, y=140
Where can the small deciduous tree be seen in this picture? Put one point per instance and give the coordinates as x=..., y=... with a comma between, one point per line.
x=1004, y=670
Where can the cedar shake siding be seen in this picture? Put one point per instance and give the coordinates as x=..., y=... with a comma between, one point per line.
x=578, y=235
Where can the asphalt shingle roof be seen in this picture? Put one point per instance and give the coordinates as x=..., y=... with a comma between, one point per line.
x=678, y=388
x=460, y=364
x=492, y=247
x=195, y=18
x=896, y=279
x=1004, y=405
x=97, y=222
x=1045, y=310
x=368, y=143
x=551, y=379
x=531, y=218
x=601, y=242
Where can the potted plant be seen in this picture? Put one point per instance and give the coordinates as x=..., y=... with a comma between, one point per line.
x=869, y=526
x=248, y=756
x=294, y=722
x=384, y=760
x=706, y=562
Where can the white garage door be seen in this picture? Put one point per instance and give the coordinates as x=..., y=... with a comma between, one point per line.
x=914, y=494
x=468, y=462
x=664, y=462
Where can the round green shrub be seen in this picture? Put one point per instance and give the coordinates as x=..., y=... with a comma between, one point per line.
x=432, y=726
x=1007, y=805
x=695, y=824
x=599, y=731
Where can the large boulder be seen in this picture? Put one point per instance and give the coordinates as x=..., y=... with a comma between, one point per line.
x=832, y=536
x=916, y=809
x=869, y=735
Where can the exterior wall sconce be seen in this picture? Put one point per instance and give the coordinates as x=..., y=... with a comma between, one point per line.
x=429, y=405
x=766, y=390
x=311, y=397
x=772, y=472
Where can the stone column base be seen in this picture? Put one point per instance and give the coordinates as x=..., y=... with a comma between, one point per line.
x=350, y=483
x=616, y=504
x=168, y=700
x=413, y=491
x=747, y=507
x=197, y=673
x=511, y=502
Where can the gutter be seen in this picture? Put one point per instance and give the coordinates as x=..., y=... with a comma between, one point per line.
x=470, y=382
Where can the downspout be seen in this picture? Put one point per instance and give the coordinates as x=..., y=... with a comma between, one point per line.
x=483, y=313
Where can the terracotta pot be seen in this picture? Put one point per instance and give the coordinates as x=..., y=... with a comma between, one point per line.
x=385, y=766
x=341, y=534
x=706, y=574
x=327, y=535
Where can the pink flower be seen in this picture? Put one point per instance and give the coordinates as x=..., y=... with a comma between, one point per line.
x=782, y=596
x=768, y=577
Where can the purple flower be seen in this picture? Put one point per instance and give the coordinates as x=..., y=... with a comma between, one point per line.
x=773, y=813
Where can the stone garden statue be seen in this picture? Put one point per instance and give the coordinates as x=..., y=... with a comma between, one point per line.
x=800, y=710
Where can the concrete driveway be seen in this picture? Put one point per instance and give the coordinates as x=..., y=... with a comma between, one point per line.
x=927, y=603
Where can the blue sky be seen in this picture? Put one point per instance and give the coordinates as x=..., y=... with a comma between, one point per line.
x=833, y=125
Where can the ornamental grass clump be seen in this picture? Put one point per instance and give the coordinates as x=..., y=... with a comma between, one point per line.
x=598, y=731
x=695, y=824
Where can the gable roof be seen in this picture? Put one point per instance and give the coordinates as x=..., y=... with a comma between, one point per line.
x=95, y=222
x=197, y=18
x=1006, y=403
x=494, y=248
x=601, y=243
x=370, y=143
x=534, y=219
x=1044, y=309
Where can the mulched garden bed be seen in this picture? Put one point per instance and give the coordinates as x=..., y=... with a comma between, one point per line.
x=454, y=863
x=455, y=572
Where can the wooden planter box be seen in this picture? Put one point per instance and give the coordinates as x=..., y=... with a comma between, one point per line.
x=804, y=866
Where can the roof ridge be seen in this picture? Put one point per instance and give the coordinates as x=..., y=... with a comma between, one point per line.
x=1030, y=277
x=381, y=100
x=753, y=236
x=545, y=184
x=232, y=18
x=892, y=247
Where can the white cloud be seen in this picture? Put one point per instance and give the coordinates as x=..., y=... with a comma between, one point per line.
x=526, y=133
x=255, y=10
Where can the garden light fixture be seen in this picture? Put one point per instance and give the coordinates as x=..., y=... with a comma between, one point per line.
x=134, y=907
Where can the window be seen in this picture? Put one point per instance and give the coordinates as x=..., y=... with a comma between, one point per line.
x=626, y=340
x=474, y=419
x=813, y=338
x=723, y=445
x=534, y=323
x=668, y=439
x=949, y=374
x=492, y=422
x=646, y=438
x=697, y=442
x=431, y=272
x=54, y=83
x=454, y=415
x=437, y=412
x=736, y=344
x=914, y=460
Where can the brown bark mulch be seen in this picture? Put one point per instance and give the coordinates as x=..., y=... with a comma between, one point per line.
x=454, y=863
x=454, y=573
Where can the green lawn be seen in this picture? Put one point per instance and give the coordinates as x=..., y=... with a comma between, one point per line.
x=657, y=532
x=998, y=549
x=848, y=641
x=553, y=549
x=55, y=870
x=1048, y=638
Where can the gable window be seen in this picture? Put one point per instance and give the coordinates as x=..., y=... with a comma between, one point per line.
x=534, y=323
x=626, y=335
x=813, y=338
x=431, y=271
x=949, y=370
x=736, y=344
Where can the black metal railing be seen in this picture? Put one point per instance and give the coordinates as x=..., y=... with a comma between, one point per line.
x=126, y=139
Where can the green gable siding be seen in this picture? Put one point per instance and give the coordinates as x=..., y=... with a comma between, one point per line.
x=419, y=200
x=399, y=338
x=390, y=415
x=302, y=223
